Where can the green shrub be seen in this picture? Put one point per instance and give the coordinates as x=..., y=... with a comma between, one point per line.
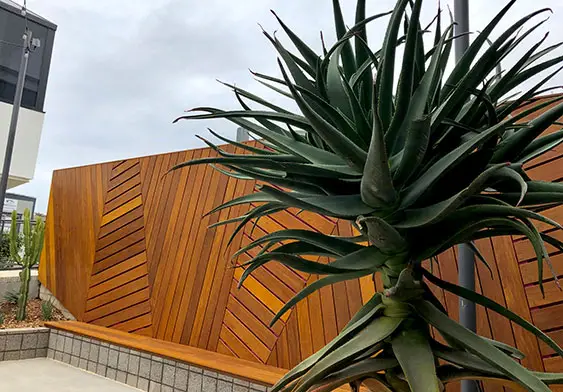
x=11, y=297
x=1, y=318
x=6, y=260
x=47, y=310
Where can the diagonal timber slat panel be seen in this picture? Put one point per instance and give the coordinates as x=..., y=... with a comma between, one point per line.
x=119, y=280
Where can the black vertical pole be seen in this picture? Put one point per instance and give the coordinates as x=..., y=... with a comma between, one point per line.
x=461, y=16
x=26, y=38
x=466, y=260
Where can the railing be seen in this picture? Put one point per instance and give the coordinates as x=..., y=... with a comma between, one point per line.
x=6, y=223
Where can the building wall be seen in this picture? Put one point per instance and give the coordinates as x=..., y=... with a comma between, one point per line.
x=26, y=147
x=24, y=203
x=12, y=27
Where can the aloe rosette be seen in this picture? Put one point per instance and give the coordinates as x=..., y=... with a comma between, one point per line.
x=417, y=165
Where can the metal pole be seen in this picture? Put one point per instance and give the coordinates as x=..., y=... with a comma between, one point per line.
x=15, y=114
x=466, y=261
x=461, y=17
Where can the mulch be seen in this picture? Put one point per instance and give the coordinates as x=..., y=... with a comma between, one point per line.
x=34, y=315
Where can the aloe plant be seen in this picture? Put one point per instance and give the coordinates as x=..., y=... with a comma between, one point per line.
x=418, y=168
x=32, y=246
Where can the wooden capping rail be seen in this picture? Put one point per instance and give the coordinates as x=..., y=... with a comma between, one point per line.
x=236, y=367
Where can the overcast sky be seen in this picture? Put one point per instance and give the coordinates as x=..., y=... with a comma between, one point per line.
x=123, y=70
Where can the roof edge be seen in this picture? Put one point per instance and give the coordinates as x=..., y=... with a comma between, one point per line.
x=15, y=8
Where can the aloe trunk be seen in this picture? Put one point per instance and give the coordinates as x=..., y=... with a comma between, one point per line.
x=417, y=165
x=32, y=246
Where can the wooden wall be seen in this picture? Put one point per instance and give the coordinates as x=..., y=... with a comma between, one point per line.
x=545, y=312
x=127, y=247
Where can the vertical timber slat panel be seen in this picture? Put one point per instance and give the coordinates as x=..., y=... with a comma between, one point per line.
x=516, y=300
x=75, y=208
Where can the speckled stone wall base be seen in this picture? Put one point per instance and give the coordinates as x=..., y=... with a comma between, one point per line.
x=141, y=370
x=23, y=343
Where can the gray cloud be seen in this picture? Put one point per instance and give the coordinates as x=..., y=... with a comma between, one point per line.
x=121, y=71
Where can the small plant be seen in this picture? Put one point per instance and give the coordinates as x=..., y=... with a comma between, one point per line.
x=11, y=297
x=32, y=246
x=1, y=318
x=47, y=310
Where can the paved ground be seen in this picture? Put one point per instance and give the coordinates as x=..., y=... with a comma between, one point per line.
x=45, y=375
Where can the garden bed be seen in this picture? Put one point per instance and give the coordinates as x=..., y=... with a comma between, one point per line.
x=34, y=315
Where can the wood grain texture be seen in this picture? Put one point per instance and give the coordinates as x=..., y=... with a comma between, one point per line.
x=128, y=246
x=118, y=294
x=76, y=204
x=516, y=299
x=545, y=311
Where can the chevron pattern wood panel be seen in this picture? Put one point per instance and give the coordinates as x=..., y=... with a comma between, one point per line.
x=245, y=331
x=128, y=246
x=118, y=294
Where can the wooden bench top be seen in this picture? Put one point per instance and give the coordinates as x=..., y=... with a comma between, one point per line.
x=236, y=367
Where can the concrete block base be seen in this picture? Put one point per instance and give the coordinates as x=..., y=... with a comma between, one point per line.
x=140, y=370
x=23, y=343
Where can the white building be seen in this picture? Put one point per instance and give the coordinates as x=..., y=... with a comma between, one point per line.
x=30, y=123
